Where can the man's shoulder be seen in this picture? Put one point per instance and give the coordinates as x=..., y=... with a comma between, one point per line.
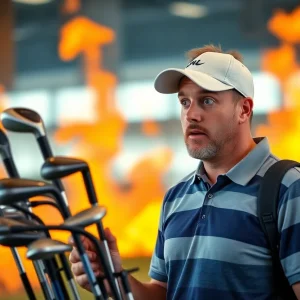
x=290, y=176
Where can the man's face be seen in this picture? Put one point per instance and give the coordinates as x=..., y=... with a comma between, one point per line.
x=209, y=119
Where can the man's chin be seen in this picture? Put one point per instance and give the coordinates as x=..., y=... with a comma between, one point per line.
x=201, y=153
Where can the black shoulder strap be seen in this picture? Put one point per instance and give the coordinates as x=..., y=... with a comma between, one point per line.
x=267, y=202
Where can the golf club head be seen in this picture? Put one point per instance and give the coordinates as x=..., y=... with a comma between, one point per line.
x=5, y=151
x=46, y=248
x=60, y=166
x=13, y=190
x=18, y=239
x=86, y=217
x=20, y=119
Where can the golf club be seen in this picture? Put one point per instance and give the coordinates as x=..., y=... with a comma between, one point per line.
x=25, y=120
x=6, y=229
x=91, y=216
x=20, y=119
x=59, y=167
x=17, y=189
x=12, y=171
x=23, y=240
x=46, y=248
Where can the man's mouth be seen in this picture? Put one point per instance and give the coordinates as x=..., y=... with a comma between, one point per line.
x=195, y=133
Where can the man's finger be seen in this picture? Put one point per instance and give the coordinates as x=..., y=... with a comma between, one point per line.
x=88, y=245
x=78, y=268
x=82, y=280
x=74, y=256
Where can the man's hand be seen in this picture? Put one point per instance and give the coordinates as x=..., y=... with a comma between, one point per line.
x=77, y=266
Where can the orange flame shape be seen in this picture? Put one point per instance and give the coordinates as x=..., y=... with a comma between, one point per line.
x=283, y=126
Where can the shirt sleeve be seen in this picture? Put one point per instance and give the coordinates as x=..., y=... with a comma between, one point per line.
x=289, y=225
x=157, y=266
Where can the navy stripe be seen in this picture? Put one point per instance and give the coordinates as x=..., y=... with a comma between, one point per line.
x=226, y=223
x=217, y=275
x=250, y=189
x=290, y=241
x=159, y=247
x=181, y=224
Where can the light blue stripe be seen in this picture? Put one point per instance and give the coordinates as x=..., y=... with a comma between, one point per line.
x=158, y=265
x=216, y=248
x=226, y=200
x=188, y=202
x=291, y=265
x=291, y=176
x=187, y=178
x=289, y=214
x=236, y=201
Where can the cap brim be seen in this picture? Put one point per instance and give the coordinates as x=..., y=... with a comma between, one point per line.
x=167, y=81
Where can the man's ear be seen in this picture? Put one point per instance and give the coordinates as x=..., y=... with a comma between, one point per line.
x=246, y=107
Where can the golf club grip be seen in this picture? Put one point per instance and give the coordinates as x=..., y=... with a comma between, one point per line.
x=27, y=286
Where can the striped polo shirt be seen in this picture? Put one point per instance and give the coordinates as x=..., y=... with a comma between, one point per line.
x=210, y=244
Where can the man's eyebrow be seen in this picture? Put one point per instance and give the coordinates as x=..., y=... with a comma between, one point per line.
x=204, y=92
x=180, y=94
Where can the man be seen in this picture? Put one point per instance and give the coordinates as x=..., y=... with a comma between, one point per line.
x=210, y=244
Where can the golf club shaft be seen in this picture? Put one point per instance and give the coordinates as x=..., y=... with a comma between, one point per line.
x=47, y=153
x=21, y=269
x=14, y=120
x=92, y=196
x=76, y=231
x=52, y=273
x=23, y=274
x=48, y=294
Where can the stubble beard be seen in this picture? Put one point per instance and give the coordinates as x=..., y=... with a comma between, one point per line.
x=214, y=146
x=204, y=152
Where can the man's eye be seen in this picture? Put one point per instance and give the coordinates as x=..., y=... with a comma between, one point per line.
x=208, y=101
x=184, y=102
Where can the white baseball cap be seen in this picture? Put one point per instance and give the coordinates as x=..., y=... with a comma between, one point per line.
x=212, y=71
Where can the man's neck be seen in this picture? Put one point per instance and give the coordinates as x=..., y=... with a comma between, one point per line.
x=224, y=162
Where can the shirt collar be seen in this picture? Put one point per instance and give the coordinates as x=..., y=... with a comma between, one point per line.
x=247, y=168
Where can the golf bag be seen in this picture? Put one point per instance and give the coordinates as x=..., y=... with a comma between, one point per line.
x=267, y=203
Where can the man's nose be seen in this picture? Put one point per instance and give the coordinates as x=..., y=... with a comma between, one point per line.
x=194, y=114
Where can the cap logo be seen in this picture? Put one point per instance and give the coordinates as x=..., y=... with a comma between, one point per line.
x=196, y=62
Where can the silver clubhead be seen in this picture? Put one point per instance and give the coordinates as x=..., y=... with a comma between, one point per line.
x=86, y=217
x=19, y=119
x=46, y=248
